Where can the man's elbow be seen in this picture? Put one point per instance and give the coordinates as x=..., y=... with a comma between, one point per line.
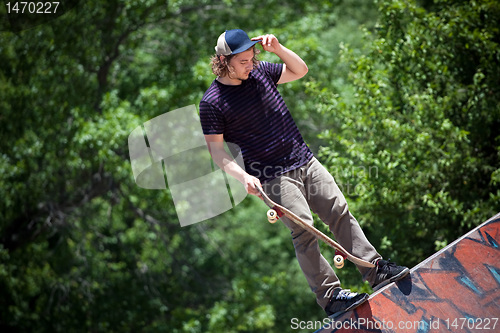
x=304, y=70
x=301, y=70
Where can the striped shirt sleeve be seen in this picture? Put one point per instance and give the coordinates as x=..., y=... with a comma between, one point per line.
x=212, y=119
x=272, y=70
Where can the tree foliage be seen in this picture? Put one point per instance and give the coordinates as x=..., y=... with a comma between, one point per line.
x=419, y=134
x=407, y=124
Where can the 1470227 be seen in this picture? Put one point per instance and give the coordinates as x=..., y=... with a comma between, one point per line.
x=472, y=323
x=32, y=7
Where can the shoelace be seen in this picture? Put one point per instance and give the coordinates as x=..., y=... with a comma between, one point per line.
x=345, y=295
x=388, y=263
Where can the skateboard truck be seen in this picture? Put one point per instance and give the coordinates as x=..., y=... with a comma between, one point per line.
x=338, y=259
x=273, y=215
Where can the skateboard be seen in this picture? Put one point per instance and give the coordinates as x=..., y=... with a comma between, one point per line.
x=276, y=211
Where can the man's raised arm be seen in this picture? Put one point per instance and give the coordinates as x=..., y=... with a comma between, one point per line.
x=294, y=67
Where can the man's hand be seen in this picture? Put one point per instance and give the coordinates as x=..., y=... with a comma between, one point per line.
x=269, y=43
x=250, y=183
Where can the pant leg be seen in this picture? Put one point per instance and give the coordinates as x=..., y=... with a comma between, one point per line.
x=328, y=202
x=288, y=190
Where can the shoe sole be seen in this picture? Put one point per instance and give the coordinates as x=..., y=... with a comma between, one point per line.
x=353, y=306
x=398, y=277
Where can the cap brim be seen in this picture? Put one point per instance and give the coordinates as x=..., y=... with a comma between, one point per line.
x=246, y=46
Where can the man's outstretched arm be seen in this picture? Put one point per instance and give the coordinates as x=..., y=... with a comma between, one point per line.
x=294, y=67
x=215, y=145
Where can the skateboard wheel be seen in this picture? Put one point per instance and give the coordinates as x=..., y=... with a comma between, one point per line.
x=338, y=261
x=272, y=216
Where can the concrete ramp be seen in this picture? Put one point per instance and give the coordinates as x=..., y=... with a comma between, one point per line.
x=455, y=290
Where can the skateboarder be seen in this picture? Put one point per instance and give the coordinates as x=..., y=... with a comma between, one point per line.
x=243, y=106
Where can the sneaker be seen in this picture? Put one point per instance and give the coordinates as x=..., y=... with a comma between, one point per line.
x=343, y=301
x=388, y=272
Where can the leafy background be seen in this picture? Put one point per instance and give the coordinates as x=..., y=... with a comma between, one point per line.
x=401, y=103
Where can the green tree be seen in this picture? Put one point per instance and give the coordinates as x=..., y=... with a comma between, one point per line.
x=417, y=139
x=83, y=247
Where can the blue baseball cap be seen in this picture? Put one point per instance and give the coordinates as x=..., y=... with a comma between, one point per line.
x=233, y=42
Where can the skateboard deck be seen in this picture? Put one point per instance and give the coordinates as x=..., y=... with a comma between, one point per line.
x=276, y=211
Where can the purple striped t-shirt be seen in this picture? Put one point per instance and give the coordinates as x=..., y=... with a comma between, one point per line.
x=254, y=116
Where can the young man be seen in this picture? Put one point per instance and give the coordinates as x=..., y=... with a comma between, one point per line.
x=244, y=107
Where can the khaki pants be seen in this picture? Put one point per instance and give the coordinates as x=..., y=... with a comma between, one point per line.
x=312, y=187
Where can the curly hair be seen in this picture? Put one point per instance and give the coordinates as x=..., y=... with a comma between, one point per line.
x=220, y=67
